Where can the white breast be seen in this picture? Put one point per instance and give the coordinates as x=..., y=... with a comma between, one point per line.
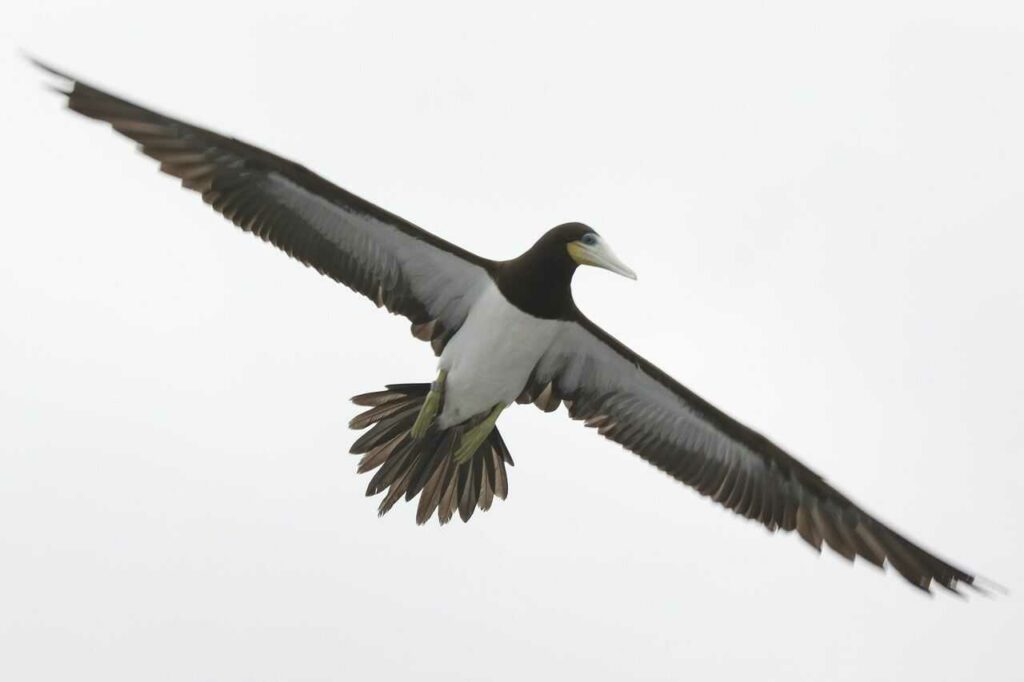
x=491, y=357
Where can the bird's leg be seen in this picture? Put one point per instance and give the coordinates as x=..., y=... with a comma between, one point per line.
x=430, y=406
x=474, y=438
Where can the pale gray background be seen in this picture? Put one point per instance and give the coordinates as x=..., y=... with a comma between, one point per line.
x=825, y=208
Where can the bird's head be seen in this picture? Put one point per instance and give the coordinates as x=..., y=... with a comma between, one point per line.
x=586, y=247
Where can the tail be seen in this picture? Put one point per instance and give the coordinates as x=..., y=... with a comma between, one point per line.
x=425, y=467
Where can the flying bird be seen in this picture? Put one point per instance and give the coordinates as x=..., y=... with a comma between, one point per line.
x=504, y=332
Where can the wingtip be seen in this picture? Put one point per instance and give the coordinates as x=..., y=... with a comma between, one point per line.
x=40, y=64
x=64, y=88
x=63, y=92
x=989, y=588
x=28, y=56
x=68, y=79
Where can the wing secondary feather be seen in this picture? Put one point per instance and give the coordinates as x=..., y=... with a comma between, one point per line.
x=397, y=265
x=632, y=402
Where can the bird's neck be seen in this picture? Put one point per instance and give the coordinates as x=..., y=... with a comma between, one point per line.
x=539, y=284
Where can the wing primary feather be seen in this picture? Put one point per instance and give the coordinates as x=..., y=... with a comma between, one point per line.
x=395, y=264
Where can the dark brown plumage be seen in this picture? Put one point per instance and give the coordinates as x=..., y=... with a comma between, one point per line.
x=231, y=176
x=409, y=468
x=780, y=493
x=435, y=285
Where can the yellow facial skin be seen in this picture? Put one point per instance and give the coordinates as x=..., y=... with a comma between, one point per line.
x=578, y=252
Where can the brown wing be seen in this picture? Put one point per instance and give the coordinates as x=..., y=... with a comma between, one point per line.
x=632, y=402
x=397, y=265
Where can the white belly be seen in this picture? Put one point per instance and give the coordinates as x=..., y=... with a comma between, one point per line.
x=491, y=357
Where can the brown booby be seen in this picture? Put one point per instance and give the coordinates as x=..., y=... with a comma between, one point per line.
x=504, y=332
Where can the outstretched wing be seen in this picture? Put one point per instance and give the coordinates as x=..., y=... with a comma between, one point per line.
x=397, y=265
x=632, y=402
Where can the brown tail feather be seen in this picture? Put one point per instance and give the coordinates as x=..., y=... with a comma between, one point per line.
x=424, y=467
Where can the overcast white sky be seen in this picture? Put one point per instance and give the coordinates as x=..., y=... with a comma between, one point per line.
x=825, y=209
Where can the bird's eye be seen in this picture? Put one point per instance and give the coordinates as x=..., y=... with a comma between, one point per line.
x=589, y=239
